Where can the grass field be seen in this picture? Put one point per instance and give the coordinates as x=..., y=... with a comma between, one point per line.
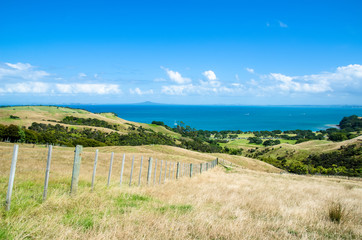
x=47, y=114
x=233, y=203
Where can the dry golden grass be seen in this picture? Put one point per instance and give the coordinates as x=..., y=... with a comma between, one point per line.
x=218, y=204
x=42, y=114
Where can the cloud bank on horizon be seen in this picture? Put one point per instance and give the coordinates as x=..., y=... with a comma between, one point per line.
x=23, y=79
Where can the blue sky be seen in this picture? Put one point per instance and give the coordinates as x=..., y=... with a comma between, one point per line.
x=182, y=52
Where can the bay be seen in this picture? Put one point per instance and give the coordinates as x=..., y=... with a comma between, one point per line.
x=245, y=118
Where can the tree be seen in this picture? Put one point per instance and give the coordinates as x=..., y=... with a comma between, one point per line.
x=12, y=133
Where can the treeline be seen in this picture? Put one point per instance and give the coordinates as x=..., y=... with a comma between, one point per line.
x=89, y=122
x=350, y=127
x=346, y=161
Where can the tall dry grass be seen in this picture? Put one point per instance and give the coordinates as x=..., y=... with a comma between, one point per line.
x=219, y=204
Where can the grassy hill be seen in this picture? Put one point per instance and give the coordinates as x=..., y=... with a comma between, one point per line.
x=252, y=200
x=53, y=115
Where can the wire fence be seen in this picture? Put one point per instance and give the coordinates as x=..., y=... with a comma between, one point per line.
x=92, y=169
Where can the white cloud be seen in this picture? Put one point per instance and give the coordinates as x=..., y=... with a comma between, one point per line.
x=140, y=92
x=99, y=89
x=282, y=25
x=81, y=75
x=24, y=71
x=250, y=70
x=19, y=66
x=26, y=87
x=290, y=84
x=176, y=76
x=210, y=75
x=178, y=89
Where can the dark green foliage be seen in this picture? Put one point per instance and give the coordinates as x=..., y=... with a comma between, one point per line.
x=255, y=140
x=88, y=122
x=14, y=117
x=271, y=142
x=338, y=136
x=345, y=161
x=10, y=133
x=158, y=123
x=233, y=151
x=352, y=123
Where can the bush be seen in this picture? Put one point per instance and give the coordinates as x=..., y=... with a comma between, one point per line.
x=336, y=212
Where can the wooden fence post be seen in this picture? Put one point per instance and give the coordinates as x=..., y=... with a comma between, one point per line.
x=94, y=169
x=159, y=180
x=130, y=176
x=207, y=166
x=217, y=161
x=154, y=174
x=191, y=169
x=110, y=169
x=11, y=177
x=178, y=170
x=200, y=168
x=123, y=159
x=139, y=177
x=76, y=169
x=50, y=149
x=149, y=170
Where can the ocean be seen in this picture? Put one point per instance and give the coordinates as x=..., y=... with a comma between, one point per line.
x=245, y=118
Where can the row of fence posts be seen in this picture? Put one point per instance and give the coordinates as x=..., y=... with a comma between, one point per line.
x=181, y=170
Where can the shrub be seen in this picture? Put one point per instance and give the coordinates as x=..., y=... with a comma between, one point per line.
x=336, y=212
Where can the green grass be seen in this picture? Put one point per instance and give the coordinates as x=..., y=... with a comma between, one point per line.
x=109, y=115
x=4, y=233
x=126, y=202
x=240, y=143
x=77, y=220
x=177, y=209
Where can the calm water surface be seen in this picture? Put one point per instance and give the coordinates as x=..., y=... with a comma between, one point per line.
x=245, y=118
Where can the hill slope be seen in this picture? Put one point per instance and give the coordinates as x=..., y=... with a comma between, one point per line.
x=53, y=115
x=218, y=204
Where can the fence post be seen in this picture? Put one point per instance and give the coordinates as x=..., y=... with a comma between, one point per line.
x=169, y=171
x=149, y=170
x=200, y=168
x=139, y=177
x=50, y=149
x=164, y=180
x=110, y=169
x=130, y=177
x=191, y=166
x=154, y=174
x=94, y=169
x=207, y=166
x=123, y=159
x=217, y=161
x=76, y=169
x=159, y=180
x=173, y=170
x=178, y=170
x=12, y=176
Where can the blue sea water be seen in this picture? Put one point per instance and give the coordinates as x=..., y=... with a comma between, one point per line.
x=245, y=118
